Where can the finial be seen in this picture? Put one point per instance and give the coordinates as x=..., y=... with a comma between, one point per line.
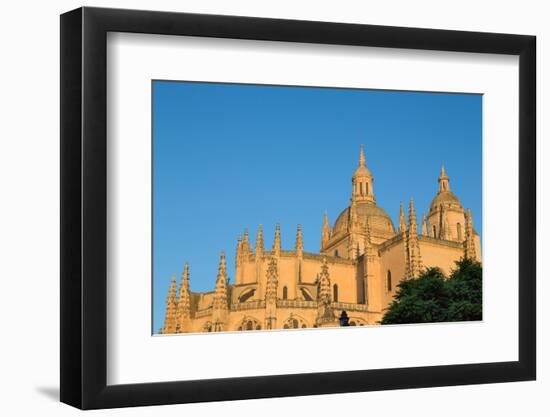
x=276, y=249
x=362, y=156
x=424, y=225
x=412, y=216
x=259, y=240
x=299, y=242
x=402, y=223
x=443, y=180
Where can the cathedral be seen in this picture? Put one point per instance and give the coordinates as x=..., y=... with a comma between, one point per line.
x=361, y=261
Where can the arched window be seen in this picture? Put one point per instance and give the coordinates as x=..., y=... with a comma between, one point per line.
x=388, y=281
x=361, y=188
x=459, y=232
x=434, y=232
x=285, y=293
x=367, y=188
x=336, y=253
x=335, y=293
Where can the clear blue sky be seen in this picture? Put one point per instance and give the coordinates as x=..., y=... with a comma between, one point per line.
x=231, y=156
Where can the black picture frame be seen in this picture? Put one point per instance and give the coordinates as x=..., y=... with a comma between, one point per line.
x=84, y=207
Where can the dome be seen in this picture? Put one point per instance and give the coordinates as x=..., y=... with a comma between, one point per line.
x=380, y=223
x=447, y=199
x=362, y=171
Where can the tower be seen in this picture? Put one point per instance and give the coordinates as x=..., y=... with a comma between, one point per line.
x=171, y=308
x=362, y=181
x=446, y=214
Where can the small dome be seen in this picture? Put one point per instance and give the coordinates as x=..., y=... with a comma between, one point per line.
x=362, y=171
x=447, y=199
x=380, y=223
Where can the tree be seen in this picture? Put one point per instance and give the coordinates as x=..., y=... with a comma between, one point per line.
x=433, y=297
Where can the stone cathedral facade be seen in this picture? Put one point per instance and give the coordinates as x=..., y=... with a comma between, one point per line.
x=362, y=259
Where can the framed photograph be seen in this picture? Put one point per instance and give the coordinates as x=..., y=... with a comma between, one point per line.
x=257, y=208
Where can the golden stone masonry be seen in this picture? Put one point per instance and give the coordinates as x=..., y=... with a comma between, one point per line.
x=362, y=259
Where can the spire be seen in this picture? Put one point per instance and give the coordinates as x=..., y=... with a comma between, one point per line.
x=323, y=291
x=469, y=245
x=259, y=243
x=220, y=293
x=184, y=300
x=362, y=162
x=239, y=252
x=246, y=244
x=424, y=225
x=276, y=249
x=402, y=224
x=325, y=312
x=326, y=231
x=412, y=218
x=299, y=242
x=171, y=307
x=413, y=258
x=443, y=181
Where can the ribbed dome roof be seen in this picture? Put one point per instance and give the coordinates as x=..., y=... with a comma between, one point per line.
x=362, y=171
x=380, y=223
x=447, y=199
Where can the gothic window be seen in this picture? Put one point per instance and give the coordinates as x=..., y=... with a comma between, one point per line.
x=335, y=293
x=459, y=231
x=389, y=283
x=248, y=324
x=361, y=188
x=285, y=293
x=434, y=232
x=295, y=323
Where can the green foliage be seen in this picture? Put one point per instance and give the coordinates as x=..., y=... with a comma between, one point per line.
x=433, y=297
